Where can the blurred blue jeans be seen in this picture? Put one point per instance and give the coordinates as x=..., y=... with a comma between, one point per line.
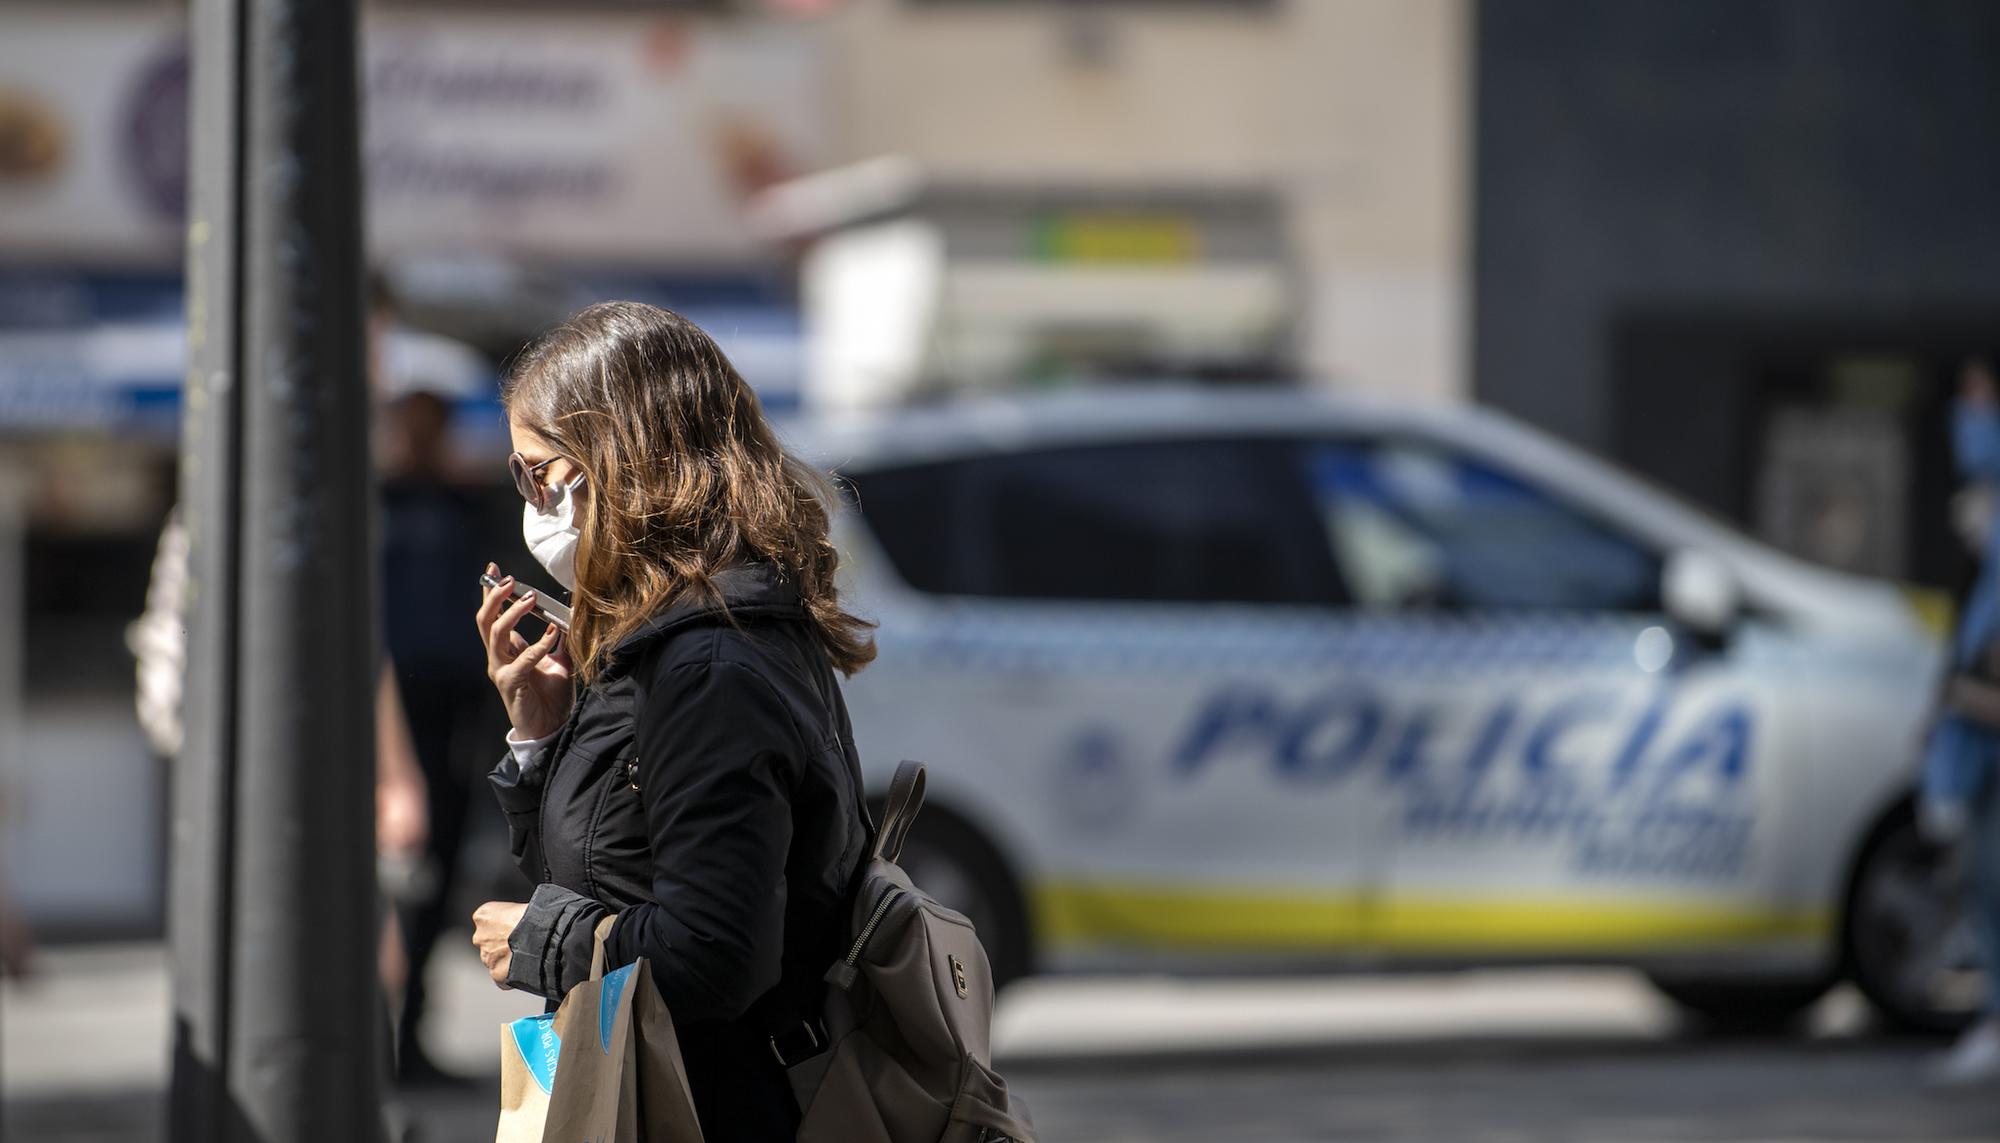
x=1962, y=768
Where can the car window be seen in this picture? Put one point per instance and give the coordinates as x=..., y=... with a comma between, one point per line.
x=1191, y=521
x=1414, y=526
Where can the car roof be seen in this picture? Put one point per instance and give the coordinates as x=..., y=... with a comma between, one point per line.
x=857, y=443
x=860, y=442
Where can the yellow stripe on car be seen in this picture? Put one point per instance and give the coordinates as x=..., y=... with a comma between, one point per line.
x=1595, y=926
x=1211, y=918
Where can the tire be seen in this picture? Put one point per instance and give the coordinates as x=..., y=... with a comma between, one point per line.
x=1748, y=1007
x=1904, y=933
x=951, y=860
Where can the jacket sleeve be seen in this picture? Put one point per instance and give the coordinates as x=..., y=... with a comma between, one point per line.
x=519, y=790
x=718, y=756
x=552, y=944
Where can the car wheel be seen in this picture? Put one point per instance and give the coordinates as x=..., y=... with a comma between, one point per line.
x=1743, y=1006
x=1908, y=944
x=949, y=859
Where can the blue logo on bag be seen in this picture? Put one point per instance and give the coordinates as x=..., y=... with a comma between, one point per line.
x=535, y=1038
x=607, y=1004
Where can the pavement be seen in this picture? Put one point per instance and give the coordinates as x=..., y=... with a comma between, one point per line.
x=1484, y=1057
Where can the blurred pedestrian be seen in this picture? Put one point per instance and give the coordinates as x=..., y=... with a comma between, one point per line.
x=409, y=438
x=1961, y=781
x=432, y=531
x=702, y=784
x=158, y=641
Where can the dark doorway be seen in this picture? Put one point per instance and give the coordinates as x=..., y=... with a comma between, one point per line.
x=1825, y=434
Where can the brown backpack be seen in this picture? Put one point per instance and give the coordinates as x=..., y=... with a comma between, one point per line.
x=908, y=1016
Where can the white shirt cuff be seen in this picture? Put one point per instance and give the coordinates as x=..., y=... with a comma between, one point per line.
x=525, y=749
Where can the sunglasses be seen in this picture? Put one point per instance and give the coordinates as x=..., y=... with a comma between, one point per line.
x=528, y=480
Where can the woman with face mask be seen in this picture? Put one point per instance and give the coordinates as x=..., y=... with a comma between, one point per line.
x=681, y=761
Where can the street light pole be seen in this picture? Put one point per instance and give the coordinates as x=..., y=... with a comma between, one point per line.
x=274, y=834
x=198, y=917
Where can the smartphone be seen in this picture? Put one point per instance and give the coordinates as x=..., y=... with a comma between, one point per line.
x=545, y=609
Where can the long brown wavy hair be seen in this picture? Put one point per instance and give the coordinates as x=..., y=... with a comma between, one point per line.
x=685, y=477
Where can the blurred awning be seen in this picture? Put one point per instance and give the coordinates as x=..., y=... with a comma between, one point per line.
x=104, y=352
x=90, y=352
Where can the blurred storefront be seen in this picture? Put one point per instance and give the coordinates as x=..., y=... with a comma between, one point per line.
x=517, y=160
x=519, y=163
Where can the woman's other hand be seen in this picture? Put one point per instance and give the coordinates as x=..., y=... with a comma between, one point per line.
x=533, y=678
x=492, y=924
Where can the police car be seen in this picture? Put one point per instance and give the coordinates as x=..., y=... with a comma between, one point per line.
x=1228, y=680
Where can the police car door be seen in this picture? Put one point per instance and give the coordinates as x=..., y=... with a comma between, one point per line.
x=1119, y=654
x=1567, y=774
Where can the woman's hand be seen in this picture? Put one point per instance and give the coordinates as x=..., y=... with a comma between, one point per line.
x=533, y=678
x=492, y=924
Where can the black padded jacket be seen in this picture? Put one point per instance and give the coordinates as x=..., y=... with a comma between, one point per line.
x=706, y=789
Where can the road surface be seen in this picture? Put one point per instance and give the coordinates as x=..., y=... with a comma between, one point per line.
x=1517, y=1057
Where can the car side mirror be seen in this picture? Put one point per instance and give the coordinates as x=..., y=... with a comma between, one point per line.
x=1701, y=592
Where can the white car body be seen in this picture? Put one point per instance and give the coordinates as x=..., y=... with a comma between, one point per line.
x=1216, y=785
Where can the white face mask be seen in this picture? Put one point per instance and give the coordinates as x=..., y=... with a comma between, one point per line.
x=552, y=535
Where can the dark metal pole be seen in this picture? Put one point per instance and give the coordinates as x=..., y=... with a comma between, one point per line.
x=198, y=925
x=275, y=919
x=302, y=1060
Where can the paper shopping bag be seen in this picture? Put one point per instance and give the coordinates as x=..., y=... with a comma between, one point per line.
x=666, y=1104
x=596, y=1095
x=528, y=1051
x=617, y=1075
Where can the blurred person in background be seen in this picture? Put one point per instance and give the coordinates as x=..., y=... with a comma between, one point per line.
x=158, y=641
x=1961, y=796
x=429, y=536
x=432, y=533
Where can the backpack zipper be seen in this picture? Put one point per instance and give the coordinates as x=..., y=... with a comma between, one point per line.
x=868, y=930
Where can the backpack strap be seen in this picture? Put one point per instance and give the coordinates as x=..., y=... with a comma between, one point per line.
x=906, y=797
